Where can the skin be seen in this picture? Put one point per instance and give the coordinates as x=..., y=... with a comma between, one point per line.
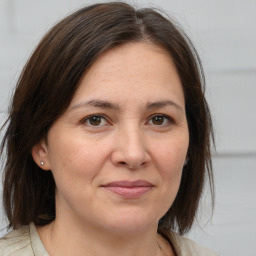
x=139, y=131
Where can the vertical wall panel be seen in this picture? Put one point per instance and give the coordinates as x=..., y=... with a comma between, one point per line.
x=232, y=229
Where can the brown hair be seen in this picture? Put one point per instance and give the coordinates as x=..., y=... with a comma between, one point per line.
x=51, y=77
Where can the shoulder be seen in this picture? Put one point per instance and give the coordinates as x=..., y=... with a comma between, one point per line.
x=186, y=247
x=16, y=243
x=189, y=247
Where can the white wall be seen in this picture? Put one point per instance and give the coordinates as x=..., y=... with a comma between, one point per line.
x=224, y=32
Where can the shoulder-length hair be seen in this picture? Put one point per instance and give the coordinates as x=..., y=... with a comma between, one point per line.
x=51, y=77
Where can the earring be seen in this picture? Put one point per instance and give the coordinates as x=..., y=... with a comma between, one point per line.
x=42, y=163
x=186, y=161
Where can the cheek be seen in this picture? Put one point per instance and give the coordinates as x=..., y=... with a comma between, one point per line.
x=171, y=174
x=74, y=168
x=170, y=159
x=171, y=154
x=76, y=160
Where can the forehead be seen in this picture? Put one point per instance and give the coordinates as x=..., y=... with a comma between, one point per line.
x=141, y=54
x=134, y=69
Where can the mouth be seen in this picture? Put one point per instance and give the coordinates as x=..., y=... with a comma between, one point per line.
x=129, y=189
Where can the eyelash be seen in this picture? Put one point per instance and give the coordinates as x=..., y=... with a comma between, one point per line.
x=166, y=117
x=84, y=120
x=169, y=119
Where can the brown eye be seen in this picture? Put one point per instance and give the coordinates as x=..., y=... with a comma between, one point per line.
x=95, y=120
x=158, y=120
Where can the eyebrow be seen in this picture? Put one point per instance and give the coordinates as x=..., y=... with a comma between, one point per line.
x=97, y=104
x=108, y=105
x=160, y=104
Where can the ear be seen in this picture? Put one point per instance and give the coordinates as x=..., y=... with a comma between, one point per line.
x=40, y=155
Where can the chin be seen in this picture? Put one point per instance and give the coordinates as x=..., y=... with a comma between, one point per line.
x=129, y=224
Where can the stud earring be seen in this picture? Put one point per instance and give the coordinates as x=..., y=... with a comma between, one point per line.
x=186, y=161
x=42, y=163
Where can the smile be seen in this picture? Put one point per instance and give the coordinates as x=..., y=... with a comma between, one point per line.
x=129, y=189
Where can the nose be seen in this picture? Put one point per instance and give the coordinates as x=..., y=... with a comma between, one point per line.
x=130, y=150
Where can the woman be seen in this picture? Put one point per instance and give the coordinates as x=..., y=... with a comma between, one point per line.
x=108, y=139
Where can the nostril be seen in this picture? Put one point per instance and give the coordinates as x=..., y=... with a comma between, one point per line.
x=123, y=163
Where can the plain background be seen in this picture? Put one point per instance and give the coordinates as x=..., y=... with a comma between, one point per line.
x=224, y=33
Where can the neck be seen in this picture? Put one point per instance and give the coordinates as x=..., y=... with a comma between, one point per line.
x=79, y=240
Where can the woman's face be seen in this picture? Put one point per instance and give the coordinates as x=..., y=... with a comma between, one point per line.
x=118, y=151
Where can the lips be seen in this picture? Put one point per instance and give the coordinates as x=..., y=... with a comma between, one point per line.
x=129, y=189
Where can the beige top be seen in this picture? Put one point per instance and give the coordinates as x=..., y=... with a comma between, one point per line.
x=25, y=241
